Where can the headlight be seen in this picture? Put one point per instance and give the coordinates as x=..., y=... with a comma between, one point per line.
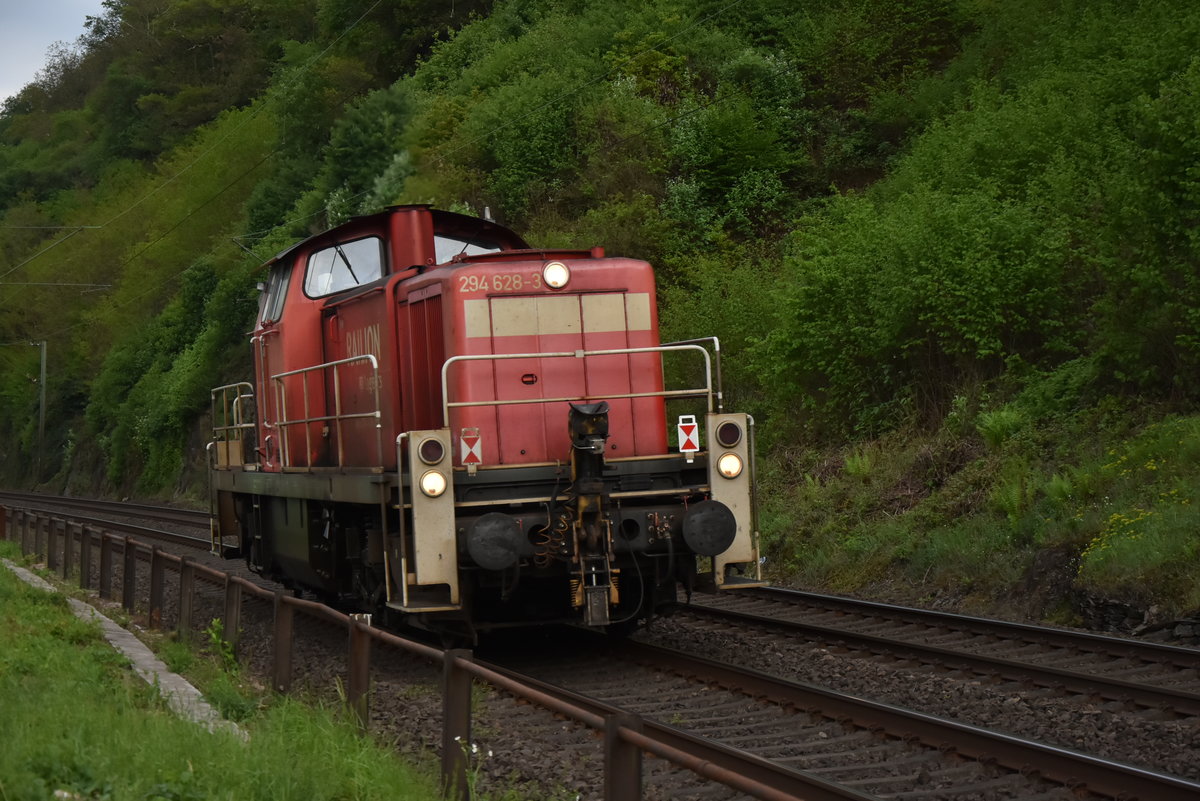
x=556, y=274
x=729, y=434
x=433, y=483
x=431, y=450
x=730, y=465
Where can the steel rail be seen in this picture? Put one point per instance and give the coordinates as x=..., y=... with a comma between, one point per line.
x=730, y=761
x=162, y=513
x=1180, y=701
x=1062, y=638
x=1064, y=766
x=105, y=523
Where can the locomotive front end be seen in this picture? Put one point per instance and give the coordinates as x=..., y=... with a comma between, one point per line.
x=569, y=503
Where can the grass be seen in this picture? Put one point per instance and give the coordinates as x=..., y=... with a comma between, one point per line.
x=76, y=719
x=1023, y=496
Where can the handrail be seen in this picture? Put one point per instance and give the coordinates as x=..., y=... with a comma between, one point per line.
x=716, y=343
x=231, y=409
x=336, y=418
x=230, y=421
x=705, y=391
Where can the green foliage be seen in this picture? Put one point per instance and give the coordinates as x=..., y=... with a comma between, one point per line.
x=859, y=463
x=90, y=727
x=392, y=37
x=1019, y=228
x=1138, y=518
x=682, y=104
x=1013, y=494
x=230, y=699
x=220, y=647
x=735, y=167
x=1060, y=489
x=1049, y=510
x=999, y=426
x=153, y=384
x=363, y=145
x=177, y=655
x=900, y=301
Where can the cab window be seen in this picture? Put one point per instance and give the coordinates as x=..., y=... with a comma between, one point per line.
x=344, y=266
x=447, y=247
x=271, y=301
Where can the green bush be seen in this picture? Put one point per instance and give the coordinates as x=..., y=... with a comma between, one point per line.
x=999, y=426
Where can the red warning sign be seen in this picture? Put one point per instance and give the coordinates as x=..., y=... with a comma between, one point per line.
x=472, y=449
x=689, y=434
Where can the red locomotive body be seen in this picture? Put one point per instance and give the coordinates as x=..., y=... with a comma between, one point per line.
x=450, y=426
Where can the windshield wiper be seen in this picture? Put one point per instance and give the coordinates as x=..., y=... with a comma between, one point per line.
x=346, y=261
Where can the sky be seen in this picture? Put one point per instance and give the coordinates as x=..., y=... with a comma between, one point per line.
x=28, y=28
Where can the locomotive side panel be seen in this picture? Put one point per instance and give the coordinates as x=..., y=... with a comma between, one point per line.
x=299, y=416
x=292, y=342
x=420, y=331
x=361, y=386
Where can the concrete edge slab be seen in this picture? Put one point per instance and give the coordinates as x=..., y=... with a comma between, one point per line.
x=180, y=695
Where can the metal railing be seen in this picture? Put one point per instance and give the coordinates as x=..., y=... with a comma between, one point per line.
x=716, y=356
x=699, y=392
x=230, y=419
x=338, y=418
x=626, y=737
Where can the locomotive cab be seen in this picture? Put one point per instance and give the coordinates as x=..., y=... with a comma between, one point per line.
x=451, y=427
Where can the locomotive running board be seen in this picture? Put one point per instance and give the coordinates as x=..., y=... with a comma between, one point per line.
x=413, y=608
x=741, y=583
x=707, y=583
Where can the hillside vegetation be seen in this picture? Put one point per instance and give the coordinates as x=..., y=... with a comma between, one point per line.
x=950, y=246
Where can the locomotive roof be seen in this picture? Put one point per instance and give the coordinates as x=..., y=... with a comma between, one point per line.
x=444, y=222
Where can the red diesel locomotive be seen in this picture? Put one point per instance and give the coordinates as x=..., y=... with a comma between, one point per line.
x=449, y=427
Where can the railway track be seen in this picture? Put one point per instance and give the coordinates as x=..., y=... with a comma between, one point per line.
x=862, y=749
x=1143, y=675
x=107, y=509
x=834, y=745
x=115, y=516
